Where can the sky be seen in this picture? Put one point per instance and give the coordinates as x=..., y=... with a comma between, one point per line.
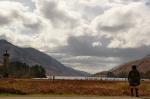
x=88, y=35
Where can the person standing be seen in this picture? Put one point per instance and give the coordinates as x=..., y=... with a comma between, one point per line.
x=134, y=80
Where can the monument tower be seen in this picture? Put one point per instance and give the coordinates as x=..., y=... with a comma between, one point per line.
x=6, y=63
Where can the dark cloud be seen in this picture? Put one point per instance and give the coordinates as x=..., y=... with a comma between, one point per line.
x=147, y=2
x=36, y=27
x=114, y=28
x=57, y=16
x=125, y=1
x=4, y=20
x=82, y=46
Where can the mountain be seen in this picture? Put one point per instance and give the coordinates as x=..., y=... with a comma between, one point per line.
x=32, y=56
x=102, y=74
x=143, y=66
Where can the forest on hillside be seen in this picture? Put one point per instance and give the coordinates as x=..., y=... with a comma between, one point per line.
x=22, y=70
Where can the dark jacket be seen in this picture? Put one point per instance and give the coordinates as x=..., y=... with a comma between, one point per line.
x=134, y=78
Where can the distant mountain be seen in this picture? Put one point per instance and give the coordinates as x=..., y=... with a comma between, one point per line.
x=143, y=66
x=103, y=73
x=32, y=56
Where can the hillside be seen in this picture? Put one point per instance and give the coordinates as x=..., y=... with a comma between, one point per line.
x=143, y=66
x=102, y=74
x=32, y=56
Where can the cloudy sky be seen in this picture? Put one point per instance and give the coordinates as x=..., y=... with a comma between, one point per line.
x=88, y=35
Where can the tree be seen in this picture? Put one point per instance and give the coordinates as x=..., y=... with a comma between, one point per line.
x=122, y=75
x=22, y=70
x=38, y=71
x=2, y=71
x=110, y=74
x=19, y=69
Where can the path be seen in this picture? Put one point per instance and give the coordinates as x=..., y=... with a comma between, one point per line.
x=71, y=98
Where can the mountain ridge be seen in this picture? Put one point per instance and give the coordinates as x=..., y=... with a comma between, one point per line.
x=32, y=56
x=143, y=65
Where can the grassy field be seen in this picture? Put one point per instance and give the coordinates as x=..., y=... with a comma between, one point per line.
x=69, y=87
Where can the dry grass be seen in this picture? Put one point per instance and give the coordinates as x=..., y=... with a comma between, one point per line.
x=77, y=87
